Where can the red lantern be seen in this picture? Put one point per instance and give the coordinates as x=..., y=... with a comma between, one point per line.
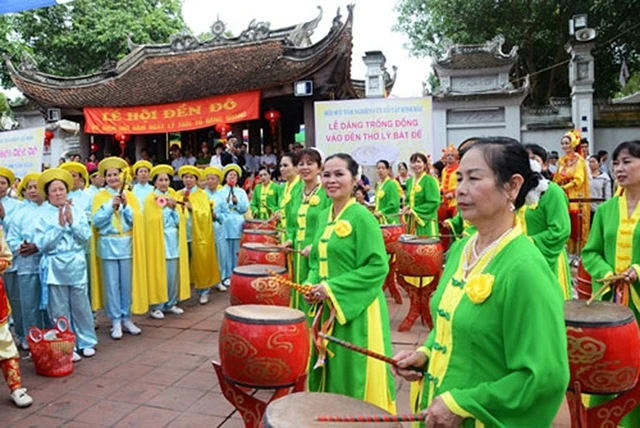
x=223, y=129
x=48, y=135
x=122, y=138
x=94, y=147
x=273, y=116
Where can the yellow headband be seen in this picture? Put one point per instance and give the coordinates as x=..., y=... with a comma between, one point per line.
x=232, y=167
x=214, y=170
x=161, y=169
x=111, y=162
x=54, y=174
x=574, y=138
x=25, y=182
x=189, y=169
x=77, y=167
x=141, y=164
x=8, y=174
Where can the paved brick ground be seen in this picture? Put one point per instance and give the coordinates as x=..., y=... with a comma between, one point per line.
x=161, y=378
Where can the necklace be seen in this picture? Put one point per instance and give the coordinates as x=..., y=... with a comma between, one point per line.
x=306, y=196
x=477, y=257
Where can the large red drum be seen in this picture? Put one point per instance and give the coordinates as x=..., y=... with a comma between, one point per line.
x=302, y=409
x=263, y=346
x=419, y=256
x=256, y=253
x=604, y=346
x=254, y=285
x=259, y=235
x=252, y=224
x=391, y=233
x=584, y=283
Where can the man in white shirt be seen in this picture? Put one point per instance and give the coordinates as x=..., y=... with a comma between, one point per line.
x=269, y=160
x=216, y=159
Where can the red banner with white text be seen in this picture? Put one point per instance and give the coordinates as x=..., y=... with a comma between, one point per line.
x=183, y=116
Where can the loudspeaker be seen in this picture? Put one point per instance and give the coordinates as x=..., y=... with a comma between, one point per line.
x=585, y=35
x=53, y=114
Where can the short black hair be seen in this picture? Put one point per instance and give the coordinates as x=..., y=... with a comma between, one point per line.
x=352, y=165
x=537, y=150
x=313, y=155
x=633, y=147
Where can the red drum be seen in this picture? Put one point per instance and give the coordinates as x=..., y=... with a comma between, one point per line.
x=264, y=346
x=584, y=283
x=252, y=224
x=391, y=233
x=254, y=285
x=419, y=256
x=255, y=253
x=259, y=235
x=302, y=409
x=604, y=346
x=443, y=211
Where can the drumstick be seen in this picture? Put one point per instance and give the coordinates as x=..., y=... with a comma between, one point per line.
x=366, y=352
x=304, y=289
x=599, y=293
x=409, y=417
x=611, y=278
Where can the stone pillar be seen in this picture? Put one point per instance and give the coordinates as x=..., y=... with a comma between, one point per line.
x=581, y=78
x=309, y=124
x=374, y=77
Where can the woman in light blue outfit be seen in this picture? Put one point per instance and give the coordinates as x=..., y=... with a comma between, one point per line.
x=142, y=188
x=113, y=218
x=166, y=242
x=27, y=260
x=61, y=233
x=214, y=175
x=238, y=204
x=8, y=209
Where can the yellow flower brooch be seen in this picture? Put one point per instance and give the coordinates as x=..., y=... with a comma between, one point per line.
x=343, y=228
x=380, y=194
x=417, y=188
x=479, y=288
x=271, y=192
x=314, y=200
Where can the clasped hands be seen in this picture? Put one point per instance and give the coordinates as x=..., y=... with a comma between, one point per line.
x=65, y=216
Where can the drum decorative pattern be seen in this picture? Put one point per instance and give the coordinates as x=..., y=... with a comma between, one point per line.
x=259, y=236
x=253, y=224
x=604, y=359
x=391, y=233
x=264, y=290
x=419, y=259
x=267, y=256
x=264, y=355
x=607, y=414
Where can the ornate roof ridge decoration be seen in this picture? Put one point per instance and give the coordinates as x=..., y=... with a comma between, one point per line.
x=506, y=91
x=491, y=48
x=207, y=69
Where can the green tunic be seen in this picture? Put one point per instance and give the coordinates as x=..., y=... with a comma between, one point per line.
x=549, y=226
x=387, y=201
x=290, y=201
x=351, y=261
x=613, y=246
x=265, y=202
x=306, y=226
x=498, y=348
x=459, y=227
x=424, y=198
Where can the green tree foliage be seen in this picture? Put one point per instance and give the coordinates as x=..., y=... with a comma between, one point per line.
x=79, y=37
x=538, y=27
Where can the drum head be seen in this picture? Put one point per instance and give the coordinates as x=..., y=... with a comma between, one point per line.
x=259, y=246
x=301, y=409
x=392, y=226
x=597, y=314
x=259, y=270
x=264, y=314
x=418, y=240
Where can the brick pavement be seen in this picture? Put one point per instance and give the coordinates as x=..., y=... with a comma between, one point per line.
x=162, y=378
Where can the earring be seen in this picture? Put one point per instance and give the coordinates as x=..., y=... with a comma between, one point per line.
x=512, y=207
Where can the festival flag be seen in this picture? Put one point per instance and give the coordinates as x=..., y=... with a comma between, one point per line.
x=13, y=6
x=624, y=73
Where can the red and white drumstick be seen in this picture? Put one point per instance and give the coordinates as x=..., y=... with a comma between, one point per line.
x=366, y=351
x=409, y=417
x=304, y=289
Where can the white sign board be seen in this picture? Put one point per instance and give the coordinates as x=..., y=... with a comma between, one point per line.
x=21, y=151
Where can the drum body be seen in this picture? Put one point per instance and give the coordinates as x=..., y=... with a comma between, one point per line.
x=419, y=256
x=259, y=235
x=302, y=409
x=264, y=346
x=604, y=346
x=253, y=224
x=252, y=284
x=576, y=224
x=256, y=253
x=584, y=285
x=391, y=233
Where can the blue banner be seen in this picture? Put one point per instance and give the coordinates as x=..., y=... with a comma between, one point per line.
x=12, y=6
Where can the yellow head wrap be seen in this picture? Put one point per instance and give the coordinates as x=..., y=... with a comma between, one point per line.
x=8, y=174
x=25, y=182
x=55, y=174
x=574, y=138
x=111, y=162
x=161, y=169
x=77, y=167
x=232, y=167
x=141, y=164
x=189, y=169
x=214, y=170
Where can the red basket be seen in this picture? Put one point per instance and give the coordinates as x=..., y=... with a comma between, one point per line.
x=52, y=358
